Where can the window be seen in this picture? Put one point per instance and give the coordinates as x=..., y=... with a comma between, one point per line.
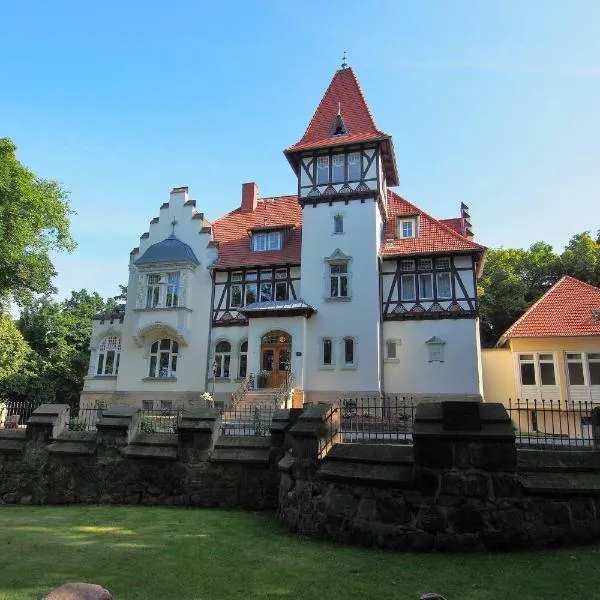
x=407, y=265
x=444, y=286
x=348, y=351
x=266, y=291
x=148, y=405
x=281, y=287
x=166, y=405
x=327, y=352
x=222, y=359
x=575, y=369
x=337, y=168
x=407, y=228
x=407, y=287
x=235, y=293
x=442, y=263
x=163, y=359
x=163, y=290
x=425, y=286
x=391, y=350
x=251, y=288
x=546, y=362
x=109, y=354
x=322, y=170
x=243, y=366
x=527, y=365
x=425, y=264
x=537, y=367
x=338, y=224
x=338, y=280
x=267, y=241
x=354, y=166
x=153, y=290
x=583, y=369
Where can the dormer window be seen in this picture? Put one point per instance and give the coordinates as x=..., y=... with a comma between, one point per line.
x=407, y=228
x=267, y=241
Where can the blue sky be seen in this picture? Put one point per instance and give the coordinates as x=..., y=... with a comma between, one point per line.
x=495, y=104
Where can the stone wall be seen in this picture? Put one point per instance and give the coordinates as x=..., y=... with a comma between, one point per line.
x=47, y=464
x=462, y=486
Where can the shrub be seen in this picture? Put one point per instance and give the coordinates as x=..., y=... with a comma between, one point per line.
x=77, y=424
x=148, y=425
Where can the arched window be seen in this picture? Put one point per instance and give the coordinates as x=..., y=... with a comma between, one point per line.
x=109, y=353
x=222, y=359
x=243, y=367
x=163, y=358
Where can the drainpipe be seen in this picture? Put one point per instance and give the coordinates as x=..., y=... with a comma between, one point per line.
x=210, y=320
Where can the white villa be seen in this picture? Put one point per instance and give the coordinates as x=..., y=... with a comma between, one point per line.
x=346, y=286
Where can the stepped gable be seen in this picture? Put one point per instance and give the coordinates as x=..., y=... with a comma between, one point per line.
x=566, y=309
x=433, y=236
x=232, y=232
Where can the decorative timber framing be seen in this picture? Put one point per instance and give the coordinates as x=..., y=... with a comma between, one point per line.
x=459, y=305
x=226, y=315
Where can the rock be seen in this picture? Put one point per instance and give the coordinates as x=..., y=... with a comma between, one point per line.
x=79, y=591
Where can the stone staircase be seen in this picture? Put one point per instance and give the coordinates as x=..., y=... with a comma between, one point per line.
x=260, y=397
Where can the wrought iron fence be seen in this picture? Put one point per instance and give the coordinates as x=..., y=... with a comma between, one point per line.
x=247, y=420
x=84, y=419
x=552, y=424
x=14, y=414
x=160, y=420
x=383, y=420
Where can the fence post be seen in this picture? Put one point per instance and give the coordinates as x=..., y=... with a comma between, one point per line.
x=197, y=433
x=596, y=427
x=46, y=422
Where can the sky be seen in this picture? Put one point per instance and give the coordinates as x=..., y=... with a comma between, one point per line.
x=494, y=104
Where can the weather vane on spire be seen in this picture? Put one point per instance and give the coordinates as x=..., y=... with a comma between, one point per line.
x=344, y=63
x=173, y=223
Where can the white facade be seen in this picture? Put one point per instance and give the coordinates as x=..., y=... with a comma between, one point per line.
x=346, y=286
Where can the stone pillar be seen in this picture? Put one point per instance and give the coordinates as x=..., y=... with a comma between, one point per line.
x=47, y=422
x=596, y=427
x=464, y=435
x=197, y=433
x=315, y=431
x=117, y=427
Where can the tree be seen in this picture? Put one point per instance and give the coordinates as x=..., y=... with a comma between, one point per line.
x=512, y=280
x=34, y=219
x=14, y=350
x=581, y=258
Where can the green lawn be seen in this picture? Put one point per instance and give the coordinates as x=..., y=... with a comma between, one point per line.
x=161, y=553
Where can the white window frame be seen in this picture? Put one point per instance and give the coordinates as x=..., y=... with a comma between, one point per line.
x=339, y=277
x=403, y=297
x=243, y=353
x=443, y=262
x=407, y=265
x=396, y=343
x=111, y=343
x=163, y=289
x=236, y=283
x=338, y=224
x=400, y=233
x=585, y=360
x=349, y=365
x=438, y=277
x=222, y=360
x=267, y=241
x=338, y=161
x=322, y=168
x=425, y=264
x=535, y=359
x=169, y=372
x=354, y=168
x=322, y=364
x=422, y=277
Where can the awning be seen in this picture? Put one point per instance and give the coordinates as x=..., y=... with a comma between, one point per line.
x=278, y=308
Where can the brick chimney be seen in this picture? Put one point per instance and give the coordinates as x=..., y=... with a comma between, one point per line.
x=249, y=196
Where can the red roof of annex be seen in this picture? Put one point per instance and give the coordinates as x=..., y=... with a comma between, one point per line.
x=564, y=310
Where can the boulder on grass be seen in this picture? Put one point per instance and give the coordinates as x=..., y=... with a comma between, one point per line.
x=79, y=591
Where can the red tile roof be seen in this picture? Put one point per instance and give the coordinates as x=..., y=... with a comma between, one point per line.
x=232, y=233
x=345, y=95
x=564, y=310
x=433, y=235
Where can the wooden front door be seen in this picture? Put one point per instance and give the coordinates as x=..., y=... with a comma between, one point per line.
x=276, y=356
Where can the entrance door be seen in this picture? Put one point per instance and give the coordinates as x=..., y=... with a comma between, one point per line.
x=276, y=355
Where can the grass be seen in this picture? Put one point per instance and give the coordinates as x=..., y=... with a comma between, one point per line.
x=186, y=554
